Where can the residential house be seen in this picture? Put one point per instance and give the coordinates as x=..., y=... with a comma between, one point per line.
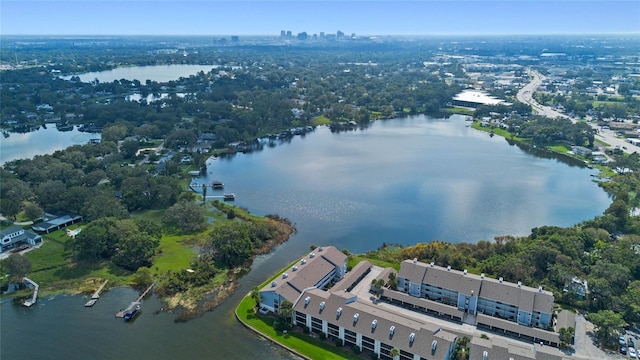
x=14, y=236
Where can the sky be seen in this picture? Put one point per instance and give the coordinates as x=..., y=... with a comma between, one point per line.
x=418, y=17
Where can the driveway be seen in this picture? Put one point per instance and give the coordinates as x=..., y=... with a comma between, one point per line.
x=584, y=342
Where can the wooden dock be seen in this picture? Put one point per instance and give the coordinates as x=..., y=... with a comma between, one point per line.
x=96, y=295
x=146, y=291
x=34, y=298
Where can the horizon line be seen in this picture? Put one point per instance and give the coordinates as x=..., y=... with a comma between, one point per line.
x=277, y=35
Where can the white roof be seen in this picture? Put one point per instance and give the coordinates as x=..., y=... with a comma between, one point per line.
x=477, y=97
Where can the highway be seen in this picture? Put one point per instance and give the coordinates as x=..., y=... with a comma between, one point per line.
x=525, y=95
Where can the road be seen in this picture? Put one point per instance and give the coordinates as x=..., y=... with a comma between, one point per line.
x=525, y=95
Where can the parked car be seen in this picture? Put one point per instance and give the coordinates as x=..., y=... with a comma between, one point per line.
x=623, y=350
x=630, y=343
x=632, y=352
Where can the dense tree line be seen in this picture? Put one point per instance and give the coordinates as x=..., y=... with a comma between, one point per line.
x=128, y=243
x=239, y=102
x=88, y=179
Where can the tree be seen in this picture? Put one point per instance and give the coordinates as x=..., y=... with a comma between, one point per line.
x=104, y=205
x=114, y=133
x=395, y=353
x=566, y=336
x=230, y=244
x=97, y=240
x=13, y=192
x=376, y=286
x=143, y=277
x=135, y=250
x=129, y=148
x=150, y=227
x=393, y=281
x=608, y=324
x=138, y=192
x=286, y=310
x=16, y=266
x=462, y=349
x=255, y=295
x=631, y=301
x=33, y=211
x=50, y=193
x=186, y=216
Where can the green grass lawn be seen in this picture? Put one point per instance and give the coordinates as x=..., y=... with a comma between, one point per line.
x=321, y=120
x=458, y=110
x=173, y=254
x=497, y=131
x=559, y=149
x=301, y=343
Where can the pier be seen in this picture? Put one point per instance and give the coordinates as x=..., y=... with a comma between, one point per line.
x=135, y=306
x=96, y=295
x=34, y=298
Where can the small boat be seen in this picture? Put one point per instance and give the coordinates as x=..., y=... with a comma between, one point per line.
x=132, y=310
x=217, y=184
x=229, y=197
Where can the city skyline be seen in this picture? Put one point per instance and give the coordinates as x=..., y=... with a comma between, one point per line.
x=364, y=18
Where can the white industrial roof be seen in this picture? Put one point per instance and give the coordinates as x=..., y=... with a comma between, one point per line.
x=477, y=97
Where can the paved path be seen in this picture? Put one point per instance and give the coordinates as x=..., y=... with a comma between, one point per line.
x=23, y=223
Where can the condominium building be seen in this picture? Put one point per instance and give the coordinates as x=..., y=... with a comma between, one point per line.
x=318, y=269
x=489, y=303
x=414, y=322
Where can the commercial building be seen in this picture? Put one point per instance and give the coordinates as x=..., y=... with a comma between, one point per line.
x=474, y=98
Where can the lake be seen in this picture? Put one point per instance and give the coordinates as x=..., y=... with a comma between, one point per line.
x=40, y=142
x=398, y=181
x=408, y=180
x=158, y=73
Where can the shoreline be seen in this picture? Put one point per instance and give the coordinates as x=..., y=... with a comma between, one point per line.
x=263, y=335
x=185, y=307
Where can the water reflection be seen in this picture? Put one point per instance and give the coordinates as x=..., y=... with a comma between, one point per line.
x=408, y=180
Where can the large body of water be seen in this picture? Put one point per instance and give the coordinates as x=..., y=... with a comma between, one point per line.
x=40, y=142
x=408, y=180
x=399, y=181
x=158, y=73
